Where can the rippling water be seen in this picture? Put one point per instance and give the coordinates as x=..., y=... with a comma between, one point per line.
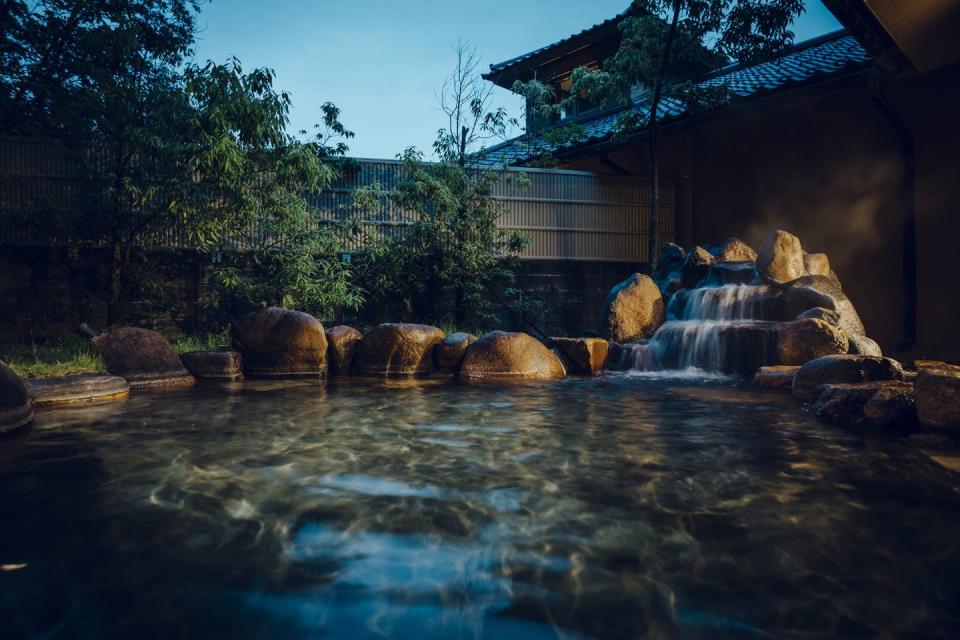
x=621, y=507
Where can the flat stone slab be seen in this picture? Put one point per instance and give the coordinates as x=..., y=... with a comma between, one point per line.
x=159, y=380
x=775, y=377
x=51, y=392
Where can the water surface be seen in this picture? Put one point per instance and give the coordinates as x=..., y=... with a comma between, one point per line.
x=622, y=507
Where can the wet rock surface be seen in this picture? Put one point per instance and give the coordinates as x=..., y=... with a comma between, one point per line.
x=634, y=309
x=341, y=342
x=883, y=403
x=816, y=264
x=583, y=356
x=734, y=250
x=842, y=369
x=696, y=266
x=506, y=356
x=862, y=346
x=810, y=292
x=49, y=392
x=800, y=341
x=396, y=349
x=213, y=365
x=16, y=409
x=143, y=357
x=775, y=377
x=450, y=352
x=938, y=396
x=281, y=343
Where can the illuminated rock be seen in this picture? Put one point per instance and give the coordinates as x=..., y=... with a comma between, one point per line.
x=842, y=369
x=396, y=350
x=780, y=258
x=502, y=356
x=341, y=343
x=803, y=340
x=281, y=343
x=584, y=356
x=634, y=309
x=48, y=392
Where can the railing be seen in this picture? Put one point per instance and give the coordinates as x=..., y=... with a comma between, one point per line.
x=567, y=215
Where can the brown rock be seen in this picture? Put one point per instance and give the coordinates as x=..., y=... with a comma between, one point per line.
x=696, y=266
x=809, y=292
x=862, y=346
x=938, y=396
x=396, y=350
x=634, y=309
x=341, y=342
x=16, y=410
x=780, y=258
x=735, y=250
x=48, y=392
x=821, y=313
x=281, y=343
x=803, y=340
x=842, y=369
x=450, y=352
x=877, y=402
x=775, y=377
x=816, y=264
x=213, y=365
x=501, y=356
x=584, y=356
x=143, y=357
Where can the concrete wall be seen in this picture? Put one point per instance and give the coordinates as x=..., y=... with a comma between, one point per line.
x=830, y=169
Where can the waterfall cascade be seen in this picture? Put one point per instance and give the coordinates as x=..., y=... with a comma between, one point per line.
x=730, y=328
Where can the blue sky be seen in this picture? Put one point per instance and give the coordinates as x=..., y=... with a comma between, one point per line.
x=381, y=61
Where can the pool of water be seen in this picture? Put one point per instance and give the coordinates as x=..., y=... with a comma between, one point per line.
x=619, y=507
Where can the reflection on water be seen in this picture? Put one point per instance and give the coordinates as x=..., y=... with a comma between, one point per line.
x=618, y=507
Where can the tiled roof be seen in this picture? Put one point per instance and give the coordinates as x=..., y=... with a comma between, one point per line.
x=814, y=59
x=506, y=64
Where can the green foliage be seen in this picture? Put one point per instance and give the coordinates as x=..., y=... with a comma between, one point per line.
x=449, y=262
x=56, y=358
x=203, y=342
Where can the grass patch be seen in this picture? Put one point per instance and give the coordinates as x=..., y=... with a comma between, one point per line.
x=52, y=359
x=209, y=342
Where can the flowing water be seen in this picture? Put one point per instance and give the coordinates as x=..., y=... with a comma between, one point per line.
x=618, y=507
x=729, y=328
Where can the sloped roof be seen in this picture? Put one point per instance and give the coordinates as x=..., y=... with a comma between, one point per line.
x=500, y=67
x=810, y=61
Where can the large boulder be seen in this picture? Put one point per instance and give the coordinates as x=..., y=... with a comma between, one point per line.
x=583, y=356
x=780, y=258
x=16, y=410
x=281, y=343
x=341, y=342
x=809, y=292
x=938, y=396
x=450, y=352
x=734, y=250
x=396, y=350
x=50, y=392
x=213, y=365
x=803, y=340
x=696, y=266
x=816, y=264
x=878, y=402
x=862, y=346
x=502, y=356
x=775, y=376
x=634, y=309
x=143, y=357
x=842, y=369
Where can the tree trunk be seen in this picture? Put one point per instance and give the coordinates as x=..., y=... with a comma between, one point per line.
x=653, y=139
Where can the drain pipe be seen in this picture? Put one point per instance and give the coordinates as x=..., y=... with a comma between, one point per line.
x=909, y=248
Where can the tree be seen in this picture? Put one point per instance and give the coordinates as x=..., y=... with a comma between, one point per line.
x=658, y=40
x=466, y=99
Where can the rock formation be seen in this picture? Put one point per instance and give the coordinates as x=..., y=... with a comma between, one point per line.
x=396, y=350
x=143, y=357
x=634, y=309
x=280, y=343
x=341, y=343
x=502, y=356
